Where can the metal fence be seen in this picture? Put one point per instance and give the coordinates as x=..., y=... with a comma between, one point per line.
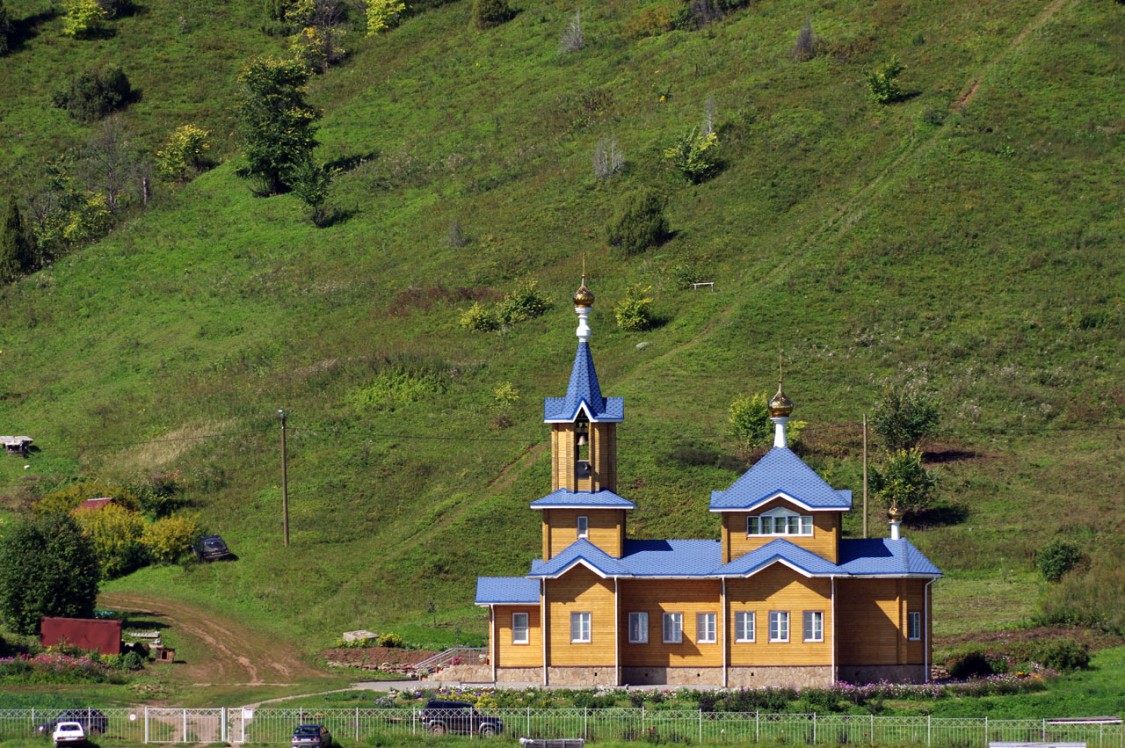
x=151, y=725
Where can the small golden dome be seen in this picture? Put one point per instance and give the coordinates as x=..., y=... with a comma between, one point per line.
x=780, y=405
x=583, y=296
x=894, y=513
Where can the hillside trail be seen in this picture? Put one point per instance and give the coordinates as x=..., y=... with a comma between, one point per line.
x=224, y=652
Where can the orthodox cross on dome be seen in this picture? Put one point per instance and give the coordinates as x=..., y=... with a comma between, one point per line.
x=780, y=406
x=583, y=300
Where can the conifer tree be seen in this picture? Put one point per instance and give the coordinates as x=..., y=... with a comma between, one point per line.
x=277, y=123
x=16, y=253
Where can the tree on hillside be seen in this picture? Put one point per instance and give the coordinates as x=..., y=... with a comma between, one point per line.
x=7, y=30
x=321, y=24
x=904, y=415
x=112, y=164
x=276, y=121
x=48, y=567
x=17, y=250
x=904, y=483
x=488, y=13
x=82, y=18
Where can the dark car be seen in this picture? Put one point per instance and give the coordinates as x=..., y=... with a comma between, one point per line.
x=93, y=721
x=211, y=548
x=312, y=736
x=440, y=717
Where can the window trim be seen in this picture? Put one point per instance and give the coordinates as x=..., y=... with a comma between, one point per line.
x=641, y=617
x=706, y=624
x=814, y=620
x=584, y=621
x=914, y=625
x=739, y=631
x=526, y=628
x=780, y=616
x=582, y=525
x=678, y=618
x=803, y=524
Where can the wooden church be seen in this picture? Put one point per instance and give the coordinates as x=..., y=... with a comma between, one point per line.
x=780, y=599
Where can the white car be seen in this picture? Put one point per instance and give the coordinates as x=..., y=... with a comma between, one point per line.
x=69, y=733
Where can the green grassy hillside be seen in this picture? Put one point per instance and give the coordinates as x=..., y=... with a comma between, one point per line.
x=969, y=235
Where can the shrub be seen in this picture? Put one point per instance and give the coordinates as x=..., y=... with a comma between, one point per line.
x=807, y=46
x=1064, y=655
x=1057, y=558
x=748, y=418
x=608, y=159
x=572, y=38
x=905, y=415
x=90, y=220
x=882, y=81
x=904, y=482
x=389, y=639
x=695, y=155
x=169, y=539
x=116, y=533
x=17, y=249
x=7, y=30
x=969, y=665
x=488, y=13
x=651, y=21
x=383, y=15
x=479, y=318
x=634, y=311
x=131, y=660
x=64, y=500
x=1095, y=598
x=310, y=184
x=92, y=95
x=640, y=224
x=184, y=154
x=82, y=18
x=524, y=302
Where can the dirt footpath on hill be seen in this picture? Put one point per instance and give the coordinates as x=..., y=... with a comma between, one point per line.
x=224, y=652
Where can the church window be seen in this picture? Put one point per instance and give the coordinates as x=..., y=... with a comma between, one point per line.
x=583, y=526
x=705, y=628
x=519, y=628
x=779, y=522
x=673, y=628
x=914, y=625
x=779, y=625
x=580, y=627
x=638, y=628
x=744, y=626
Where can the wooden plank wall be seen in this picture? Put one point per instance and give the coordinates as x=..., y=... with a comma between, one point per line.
x=873, y=616
x=580, y=590
x=823, y=542
x=509, y=654
x=657, y=597
x=779, y=588
x=606, y=530
x=603, y=458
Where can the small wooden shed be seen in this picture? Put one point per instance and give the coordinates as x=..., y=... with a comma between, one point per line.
x=16, y=445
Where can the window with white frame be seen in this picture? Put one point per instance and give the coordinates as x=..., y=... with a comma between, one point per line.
x=706, y=628
x=779, y=625
x=814, y=625
x=583, y=526
x=779, y=521
x=673, y=628
x=638, y=628
x=744, y=626
x=519, y=628
x=914, y=625
x=580, y=628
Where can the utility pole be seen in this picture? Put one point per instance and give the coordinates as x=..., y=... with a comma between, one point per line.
x=285, y=481
x=865, y=475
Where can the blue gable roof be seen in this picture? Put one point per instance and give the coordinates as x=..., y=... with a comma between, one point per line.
x=507, y=590
x=583, y=390
x=779, y=550
x=884, y=557
x=604, y=499
x=577, y=552
x=780, y=471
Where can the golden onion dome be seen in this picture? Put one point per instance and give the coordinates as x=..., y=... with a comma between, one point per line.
x=780, y=405
x=583, y=296
x=894, y=513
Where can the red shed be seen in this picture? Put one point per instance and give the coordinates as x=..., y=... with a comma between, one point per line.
x=89, y=634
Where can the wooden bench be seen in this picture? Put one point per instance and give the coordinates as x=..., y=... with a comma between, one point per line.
x=710, y=284
x=557, y=743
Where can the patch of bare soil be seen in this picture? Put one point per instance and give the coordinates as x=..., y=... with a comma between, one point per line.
x=385, y=659
x=1095, y=640
x=226, y=652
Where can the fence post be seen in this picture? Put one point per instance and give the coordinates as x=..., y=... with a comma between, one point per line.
x=872, y=731
x=986, y=731
x=814, y=728
x=929, y=725
x=642, y=718
x=223, y=724
x=357, y=724
x=757, y=727
x=146, y=725
x=700, y=725
x=585, y=723
x=529, y=722
x=183, y=714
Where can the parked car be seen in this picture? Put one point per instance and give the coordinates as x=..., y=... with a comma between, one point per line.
x=440, y=717
x=68, y=733
x=211, y=548
x=311, y=736
x=93, y=721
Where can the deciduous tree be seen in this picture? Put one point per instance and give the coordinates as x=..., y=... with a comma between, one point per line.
x=277, y=123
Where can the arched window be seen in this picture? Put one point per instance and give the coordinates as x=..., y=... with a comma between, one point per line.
x=779, y=522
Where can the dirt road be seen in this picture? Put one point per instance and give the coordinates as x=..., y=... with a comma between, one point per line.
x=224, y=652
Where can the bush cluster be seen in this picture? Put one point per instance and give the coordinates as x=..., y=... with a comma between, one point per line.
x=882, y=81
x=634, y=311
x=1057, y=558
x=93, y=95
x=639, y=224
x=489, y=13
x=695, y=155
x=7, y=30
x=524, y=302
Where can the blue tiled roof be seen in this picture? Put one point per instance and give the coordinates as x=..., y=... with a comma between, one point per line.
x=883, y=556
x=583, y=390
x=671, y=558
x=779, y=550
x=605, y=499
x=780, y=471
x=500, y=590
x=576, y=552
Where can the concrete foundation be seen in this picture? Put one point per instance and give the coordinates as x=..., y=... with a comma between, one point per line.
x=519, y=675
x=811, y=676
x=860, y=674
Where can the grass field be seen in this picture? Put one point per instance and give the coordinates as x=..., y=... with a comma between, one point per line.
x=969, y=236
